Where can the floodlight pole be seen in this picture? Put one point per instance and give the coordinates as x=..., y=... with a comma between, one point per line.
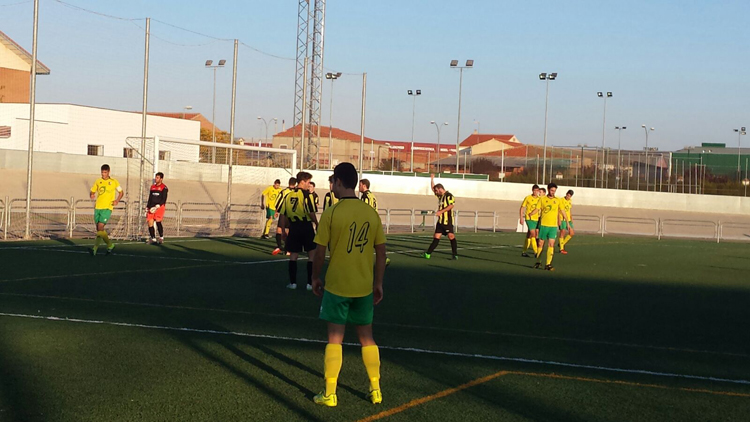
x=646, y=130
x=143, y=120
x=619, y=162
x=231, y=135
x=213, y=114
x=32, y=115
x=414, y=94
x=544, y=152
x=740, y=132
x=362, y=123
x=604, y=95
x=332, y=77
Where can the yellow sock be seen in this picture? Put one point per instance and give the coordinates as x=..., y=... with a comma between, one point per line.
x=268, y=226
x=103, y=234
x=526, y=245
x=562, y=243
x=371, y=358
x=98, y=240
x=567, y=239
x=332, y=367
x=539, y=254
x=534, y=245
x=550, y=252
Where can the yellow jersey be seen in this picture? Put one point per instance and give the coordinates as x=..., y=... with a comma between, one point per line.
x=550, y=209
x=566, y=206
x=271, y=194
x=297, y=205
x=280, y=198
x=329, y=200
x=107, y=192
x=530, y=203
x=369, y=199
x=350, y=229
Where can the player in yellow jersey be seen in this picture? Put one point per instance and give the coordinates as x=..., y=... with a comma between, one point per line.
x=367, y=196
x=550, y=217
x=280, y=229
x=330, y=197
x=297, y=211
x=268, y=203
x=109, y=195
x=526, y=214
x=566, y=228
x=352, y=231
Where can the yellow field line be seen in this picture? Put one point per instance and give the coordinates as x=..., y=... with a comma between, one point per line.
x=630, y=384
x=417, y=402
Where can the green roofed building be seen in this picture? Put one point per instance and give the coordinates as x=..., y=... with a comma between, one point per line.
x=718, y=159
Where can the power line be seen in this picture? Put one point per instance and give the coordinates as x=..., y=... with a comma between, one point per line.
x=83, y=9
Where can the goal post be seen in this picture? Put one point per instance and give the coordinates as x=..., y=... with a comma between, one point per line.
x=193, y=161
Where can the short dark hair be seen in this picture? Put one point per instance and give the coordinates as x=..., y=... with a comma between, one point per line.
x=535, y=187
x=543, y=189
x=292, y=181
x=439, y=186
x=277, y=181
x=303, y=176
x=105, y=167
x=551, y=185
x=160, y=174
x=365, y=182
x=347, y=174
x=312, y=184
x=330, y=179
x=570, y=192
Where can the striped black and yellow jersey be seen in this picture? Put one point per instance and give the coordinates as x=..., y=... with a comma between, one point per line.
x=329, y=200
x=444, y=202
x=297, y=205
x=369, y=199
x=280, y=198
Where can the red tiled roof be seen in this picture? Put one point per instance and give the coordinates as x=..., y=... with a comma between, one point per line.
x=324, y=130
x=478, y=138
x=23, y=54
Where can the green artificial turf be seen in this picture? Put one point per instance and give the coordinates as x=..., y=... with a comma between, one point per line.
x=204, y=329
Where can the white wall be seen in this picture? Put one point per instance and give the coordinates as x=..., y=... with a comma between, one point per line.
x=66, y=128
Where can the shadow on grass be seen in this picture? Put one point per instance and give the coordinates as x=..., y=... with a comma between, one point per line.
x=18, y=400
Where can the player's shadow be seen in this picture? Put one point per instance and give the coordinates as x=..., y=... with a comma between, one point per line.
x=259, y=245
x=249, y=379
x=19, y=401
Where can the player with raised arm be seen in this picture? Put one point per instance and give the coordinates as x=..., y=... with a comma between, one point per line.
x=280, y=229
x=528, y=209
x=446, y=219
x=550, y=217
x=566, y=228
x=352, y=231
x=297, y=212
x=366, y=196
x=330, y=197
x=106, y=188
x=268, y=203
x=156, y=207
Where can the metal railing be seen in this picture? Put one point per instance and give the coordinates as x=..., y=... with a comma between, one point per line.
x=63, y=218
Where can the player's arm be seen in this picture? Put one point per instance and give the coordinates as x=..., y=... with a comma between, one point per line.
x=263, y=200
x=92, y=194
x=432, y=182
x=446, y=209
x=120, y=194
x=163, y=196
x=522, y=212
x=377, y=283
x=319, y=260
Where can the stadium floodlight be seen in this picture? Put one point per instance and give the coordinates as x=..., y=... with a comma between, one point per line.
x=469, y=63
x=646, y=130
x=454, y=63
x=331, y=75
x=609, y=94
x=546, y=77
x=599, y=94
x=210, y=65
x=414, y=94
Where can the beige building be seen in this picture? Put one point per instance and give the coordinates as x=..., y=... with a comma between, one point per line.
x=15, y=71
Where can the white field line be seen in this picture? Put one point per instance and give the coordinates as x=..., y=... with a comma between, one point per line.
x=397, y=348
x=387, y=324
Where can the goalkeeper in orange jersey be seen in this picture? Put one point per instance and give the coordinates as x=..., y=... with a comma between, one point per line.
x=157, y=201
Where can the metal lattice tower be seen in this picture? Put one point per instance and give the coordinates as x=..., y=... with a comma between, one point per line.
x=308, y=88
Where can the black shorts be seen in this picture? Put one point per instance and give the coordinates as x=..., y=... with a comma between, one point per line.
x=301, y=236
x=444, y=228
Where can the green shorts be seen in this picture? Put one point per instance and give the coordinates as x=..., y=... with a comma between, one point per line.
x=546, y=233
x=270, y=213
x=564, y=225
x=342, y=310
x=102, y=216
x=531, y=224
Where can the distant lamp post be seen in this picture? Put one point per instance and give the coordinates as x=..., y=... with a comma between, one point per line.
x=414, y=94
x=647, y=131
x=546, y=77
x=745, y=182
x=184, y=109
x=266, y=124
x=479, y=129
x=741, y=131
x=438, y=143
x=604, y=125
x=210, y=65
x=619, y=163
x=332, y=77
x=454, y=65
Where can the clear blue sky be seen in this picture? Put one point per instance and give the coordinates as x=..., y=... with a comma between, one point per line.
x=679, y=66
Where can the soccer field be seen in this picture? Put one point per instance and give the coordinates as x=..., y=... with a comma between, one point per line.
x=204, y=329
